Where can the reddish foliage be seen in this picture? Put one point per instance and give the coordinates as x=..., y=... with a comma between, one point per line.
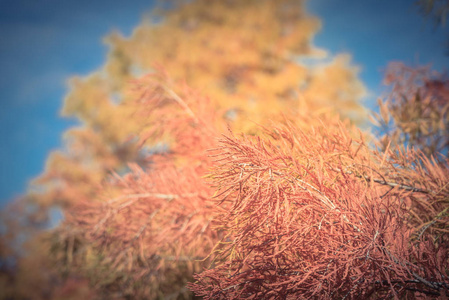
x=304, y=210
x=311, y=214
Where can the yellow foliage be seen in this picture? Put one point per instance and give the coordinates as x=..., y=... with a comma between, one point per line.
x=246, y=56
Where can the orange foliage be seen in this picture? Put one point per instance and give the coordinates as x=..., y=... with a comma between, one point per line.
x=305, y=209
x=315, y=213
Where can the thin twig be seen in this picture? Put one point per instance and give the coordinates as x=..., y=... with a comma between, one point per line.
x=385, y=182
x=180, y=102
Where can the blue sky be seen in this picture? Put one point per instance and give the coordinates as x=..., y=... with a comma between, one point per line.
x=44, y=42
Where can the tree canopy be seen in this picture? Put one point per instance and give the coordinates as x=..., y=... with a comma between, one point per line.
x=218, y=155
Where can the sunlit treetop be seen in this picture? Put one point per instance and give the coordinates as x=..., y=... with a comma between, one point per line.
x=247, y=56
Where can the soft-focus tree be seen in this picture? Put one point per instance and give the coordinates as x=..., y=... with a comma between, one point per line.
x=144, y=232
x=245, y=55
x=435, y=9
x=415, y=112
x=253, y=59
